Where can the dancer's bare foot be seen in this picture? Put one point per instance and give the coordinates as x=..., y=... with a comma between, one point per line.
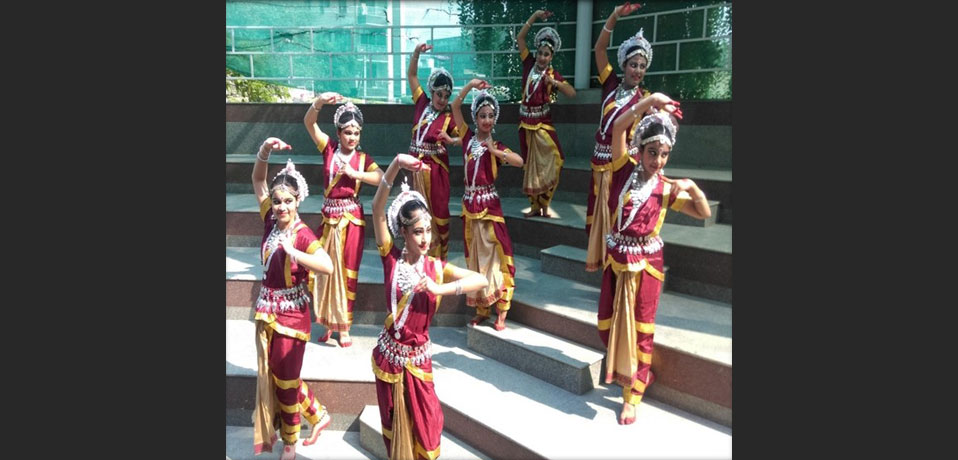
x=325, y=337
x=627, y=416
x=324, y=422
x=289, y=452
x=344, y=340
x=501, y=321
x=477, y=319
x=544, y=212
x=531, y=213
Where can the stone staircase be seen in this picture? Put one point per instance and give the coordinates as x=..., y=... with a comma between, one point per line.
x=534, y=389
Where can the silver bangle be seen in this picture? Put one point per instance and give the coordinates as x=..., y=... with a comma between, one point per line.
x=607, y=30
x=264, y=160
x=458, y=287
x=383, y=182
x=313, y=107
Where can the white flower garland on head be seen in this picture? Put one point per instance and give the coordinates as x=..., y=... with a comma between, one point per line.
x=348, y=107
x=392, y=215
x=661, y=117
x=434, y=75
x=290, y=170
x=645, y=49
x=544, y=35
x=487, y=99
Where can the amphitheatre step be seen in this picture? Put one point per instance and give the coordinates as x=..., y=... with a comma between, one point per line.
x=371, y=439
x=507, y=413
x=503, y=412
x=244, y=277
x=693, y=335
x=573, y=182
x=331, y=445
x=569, y=262
x=565, y=364
x=697, y=254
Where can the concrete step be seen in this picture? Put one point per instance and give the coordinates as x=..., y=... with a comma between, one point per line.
x=569, y=262
x=509, y=414
x=696, y=254
x=331, y=445
x=565, y=364
x=692, y=357
x=244, y=277
x=693, y=336
x=573, y=181
x=340, y=377
x=371, y=439
x=501, y=411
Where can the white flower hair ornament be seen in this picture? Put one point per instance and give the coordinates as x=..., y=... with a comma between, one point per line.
x=356, y=121
x=483, y=99
x=549, y=37
x=290, y=170
x=393, y=219
x=434, y=75
x=644, y=49
x=658, y=118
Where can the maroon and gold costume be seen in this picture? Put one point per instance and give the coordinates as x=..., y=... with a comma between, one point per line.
x=632, y=280
x=597, y=218
x=408, y=406
x=433, y=184
x=282, y=331
x=343, y=237
x=488, y=247
x=538, y=142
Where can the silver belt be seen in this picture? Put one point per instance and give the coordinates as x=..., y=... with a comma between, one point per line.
x=604, y=151
x=480, y=193
x=533, y=111
x=399, y=354
x=425, y=148
x=340, y=205
x=272, y=300
x=625, y=244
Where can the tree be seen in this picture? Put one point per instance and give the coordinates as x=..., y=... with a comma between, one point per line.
x=244, y=90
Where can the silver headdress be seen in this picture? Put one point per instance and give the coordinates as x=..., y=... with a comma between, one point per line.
x=487, y=99
x=659, y=118
x=290, y=170
x=645, y=49
x=348, y=107
x=432, y=79
x=549, y=37
x=392, y=216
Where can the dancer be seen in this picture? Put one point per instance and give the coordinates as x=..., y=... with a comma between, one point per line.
x=487, y=244
x=538, y=142
x=633, y=276
x=415, y=283
x=618, y=95
x=289, y=253
x=345, y=169
x=432, y=117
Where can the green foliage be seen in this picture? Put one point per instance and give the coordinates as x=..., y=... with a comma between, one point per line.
x=244, y=90
x=501, y=38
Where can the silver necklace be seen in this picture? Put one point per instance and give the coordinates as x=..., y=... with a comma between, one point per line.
x=405, y=277
x=534, y=77
x=273, y=242
x=622, y=96
x=429, y=115
x=641, y=190
x=476, y=150
x=339, y=160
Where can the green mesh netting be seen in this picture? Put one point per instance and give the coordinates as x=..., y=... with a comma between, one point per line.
x=291, y=55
